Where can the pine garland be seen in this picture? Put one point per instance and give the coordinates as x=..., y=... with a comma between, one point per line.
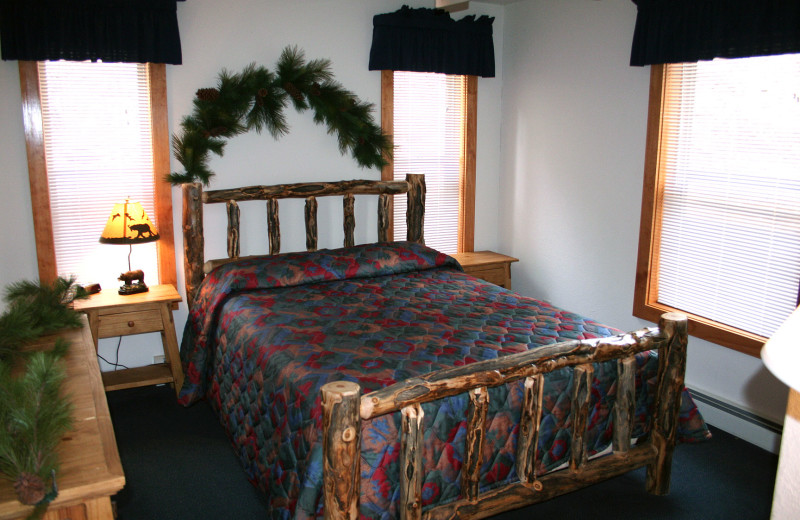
x=33, y=414
x=255, y=98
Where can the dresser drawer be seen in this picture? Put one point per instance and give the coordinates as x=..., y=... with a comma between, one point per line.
x=125, y=323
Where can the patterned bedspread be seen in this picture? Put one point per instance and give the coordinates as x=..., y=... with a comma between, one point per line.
x=265, y=334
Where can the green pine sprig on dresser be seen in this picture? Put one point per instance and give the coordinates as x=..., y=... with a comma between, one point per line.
x=255, y=99
x=34, y=415
x=34, y=309
x=33, y=418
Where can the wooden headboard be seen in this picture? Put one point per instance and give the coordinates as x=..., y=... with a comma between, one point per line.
x=195, y=266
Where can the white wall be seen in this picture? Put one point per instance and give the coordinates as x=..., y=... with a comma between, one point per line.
x=217, y=35
x=17, y=244
x=574, y=121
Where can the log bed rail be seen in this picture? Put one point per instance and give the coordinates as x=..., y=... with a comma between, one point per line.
x=195, y=268
x=344, y=408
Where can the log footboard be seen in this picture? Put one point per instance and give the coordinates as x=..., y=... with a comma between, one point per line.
x=344, y=408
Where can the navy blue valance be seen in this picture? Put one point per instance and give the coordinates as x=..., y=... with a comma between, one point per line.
x=676, y=31
x=429, y=40
x=137, y=31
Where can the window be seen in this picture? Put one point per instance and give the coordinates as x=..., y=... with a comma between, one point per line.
x=432, y=119
x=720, y=233
x=96, y=134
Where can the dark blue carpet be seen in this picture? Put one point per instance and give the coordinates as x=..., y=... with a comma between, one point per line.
x=179, y=464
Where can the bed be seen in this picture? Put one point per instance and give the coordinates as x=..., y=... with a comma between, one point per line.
x=381, y=381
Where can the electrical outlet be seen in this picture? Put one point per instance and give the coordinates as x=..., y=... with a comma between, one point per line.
x=159, y=359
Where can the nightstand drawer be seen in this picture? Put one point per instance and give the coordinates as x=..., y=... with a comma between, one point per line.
x=495, y=275
x=125, y=323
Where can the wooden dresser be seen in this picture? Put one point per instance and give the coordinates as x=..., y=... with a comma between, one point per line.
x=90, y=465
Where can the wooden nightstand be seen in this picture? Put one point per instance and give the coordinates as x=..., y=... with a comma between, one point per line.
x=111, y=314
x=487, y=265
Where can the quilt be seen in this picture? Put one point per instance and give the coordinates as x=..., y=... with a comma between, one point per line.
x=265, y=334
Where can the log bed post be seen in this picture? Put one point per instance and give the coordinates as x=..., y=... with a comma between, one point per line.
x=348, y=206
x=581, y=396
x=233, y=228
x=410, y=505
x=384, y=216
x=671, y=372
x=341, y=449
x=193, y=243
x=476, y=437
x=415, y=214
x=529, y=424
x=311, y=223
x=624, y=405
x=273, y=226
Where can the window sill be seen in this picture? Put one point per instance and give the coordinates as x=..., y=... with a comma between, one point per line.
x=703, y=328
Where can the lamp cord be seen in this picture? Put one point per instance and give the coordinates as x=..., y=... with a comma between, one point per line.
x=116, y=364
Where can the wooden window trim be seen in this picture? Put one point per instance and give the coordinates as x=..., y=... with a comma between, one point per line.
x=387, y=125
x=163, y=189
x=37, y=172
x=645, y=302
x=466, y=218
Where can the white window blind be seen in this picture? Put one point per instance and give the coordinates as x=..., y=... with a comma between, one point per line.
x=98, y=148
x=730, y=160
x=429, y=122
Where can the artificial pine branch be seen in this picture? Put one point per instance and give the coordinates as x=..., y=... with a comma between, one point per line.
x=267, y=110
x=17, y=327
x=35, y=309
x=33, y=418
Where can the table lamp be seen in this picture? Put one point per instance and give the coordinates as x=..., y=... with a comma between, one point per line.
x=129, y=224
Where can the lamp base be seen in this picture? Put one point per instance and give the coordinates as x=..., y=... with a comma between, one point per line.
x=133, y=288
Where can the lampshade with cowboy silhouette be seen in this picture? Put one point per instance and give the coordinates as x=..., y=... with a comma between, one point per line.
x=129, y=224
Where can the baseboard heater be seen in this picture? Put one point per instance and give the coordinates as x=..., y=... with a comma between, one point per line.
x=735, y=411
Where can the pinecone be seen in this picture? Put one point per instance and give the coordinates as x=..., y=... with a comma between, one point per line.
x=293, y=91
x=262, y=92
x=30, y=488
x=207, y=94
x=217, y=131
x=315, y=89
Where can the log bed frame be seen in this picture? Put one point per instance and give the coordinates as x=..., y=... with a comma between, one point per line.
x=344, y=407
